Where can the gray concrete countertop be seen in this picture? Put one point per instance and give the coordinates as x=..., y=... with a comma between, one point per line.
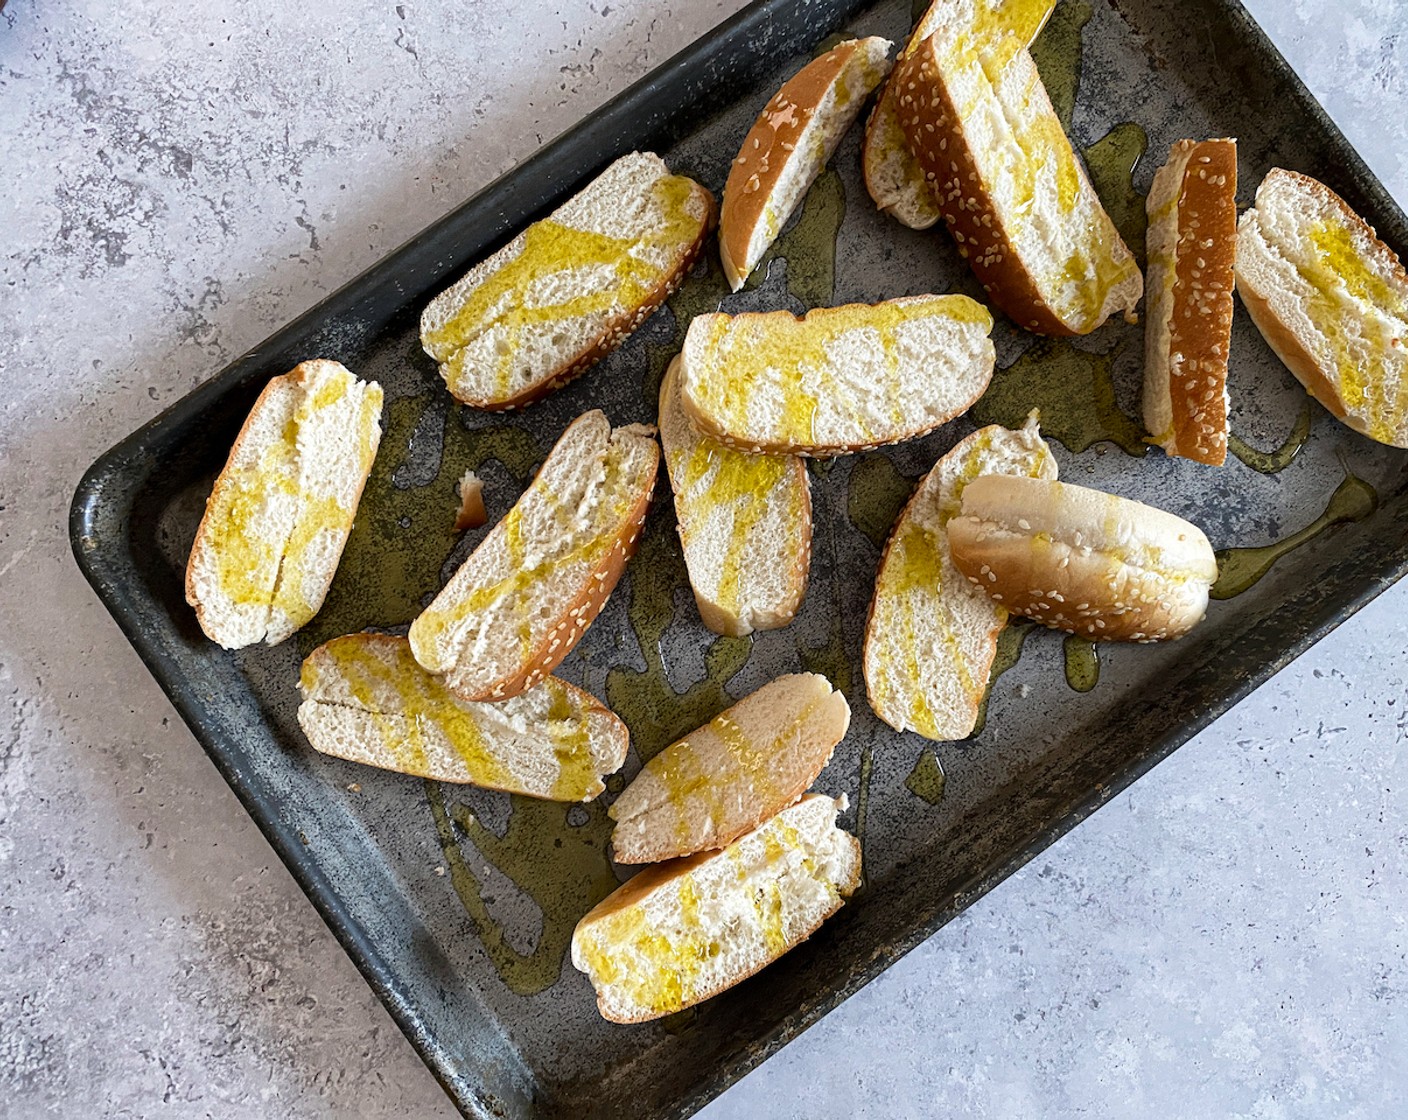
x=1227, y=938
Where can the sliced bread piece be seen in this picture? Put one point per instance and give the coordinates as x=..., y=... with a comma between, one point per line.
x=1081, y=560
x=1013, y=192
x=745, y=522
x=570, y=288
x=366, y=699
x=278, y=518
x=789, y=144
x=742, y=767
x=1188, y=324
x=892, y=175
x=838, y=380
x=683, y=931
x=931, y=636
x=528, y=592
x=1331, y=299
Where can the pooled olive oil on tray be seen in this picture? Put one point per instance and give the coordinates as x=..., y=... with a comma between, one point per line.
x=457, y=903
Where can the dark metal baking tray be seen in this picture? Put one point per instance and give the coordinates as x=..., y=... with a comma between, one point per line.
x=456, y=904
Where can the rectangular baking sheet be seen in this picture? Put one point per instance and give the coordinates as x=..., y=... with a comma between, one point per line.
x=457, y=904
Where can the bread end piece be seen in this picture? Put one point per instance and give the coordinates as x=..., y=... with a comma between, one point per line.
x=1083, y=561
x=788, y=145
x=1188, y=323
x=681, y=932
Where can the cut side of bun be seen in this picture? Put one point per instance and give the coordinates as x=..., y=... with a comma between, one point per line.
x=570, y=288
x=744, y=766
x=526, y=595
x=838, y=380
x=279, y=515
x=931, y=636
x=1188, y=324
x=1013, y=192
x=1331, y=299
x=683, y=931
x=789, y=144
x=745, y=522
x=893, y=176
x=365, y=699
x=1083, y=561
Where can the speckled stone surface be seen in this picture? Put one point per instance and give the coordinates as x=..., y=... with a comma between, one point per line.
x=1227, y=938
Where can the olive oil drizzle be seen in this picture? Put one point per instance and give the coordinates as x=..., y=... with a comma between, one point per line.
x=1240, y=569
x=1010, y=644
x=878, y=492
x=1082, y=658
x=867, y=765
x=927, y=780
x=809, y=246
x=562, y=868
x=655, y=712
x=1112, y=161
x=1057, y=54
x=1273, y=462
x=1075, y=391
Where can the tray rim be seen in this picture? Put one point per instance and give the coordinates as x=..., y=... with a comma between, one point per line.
x=100, y=557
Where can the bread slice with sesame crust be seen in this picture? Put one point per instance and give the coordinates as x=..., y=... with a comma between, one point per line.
x=789, y=144
x=365, y=699
x=282, y=508
x=839, y=379
x=1188, y=324
x=1081, y=560
x=1012, y=190
x=931, y=636
x=1331, y=299
x=892, y=175
x=526, y=595
x=683, y=931
x=570, y=288
x=742, y=767
x=745, y=523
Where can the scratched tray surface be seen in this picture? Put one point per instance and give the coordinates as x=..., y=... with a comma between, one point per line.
x=459, y=903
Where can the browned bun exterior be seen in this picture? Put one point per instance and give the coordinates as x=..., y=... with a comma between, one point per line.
x=1192, y=270
x=1081, y=560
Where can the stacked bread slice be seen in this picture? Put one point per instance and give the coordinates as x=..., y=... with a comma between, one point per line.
x=745, y=523
x=752, y=867
x=894, y=178
x=1011, y=188
x=790, y=142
